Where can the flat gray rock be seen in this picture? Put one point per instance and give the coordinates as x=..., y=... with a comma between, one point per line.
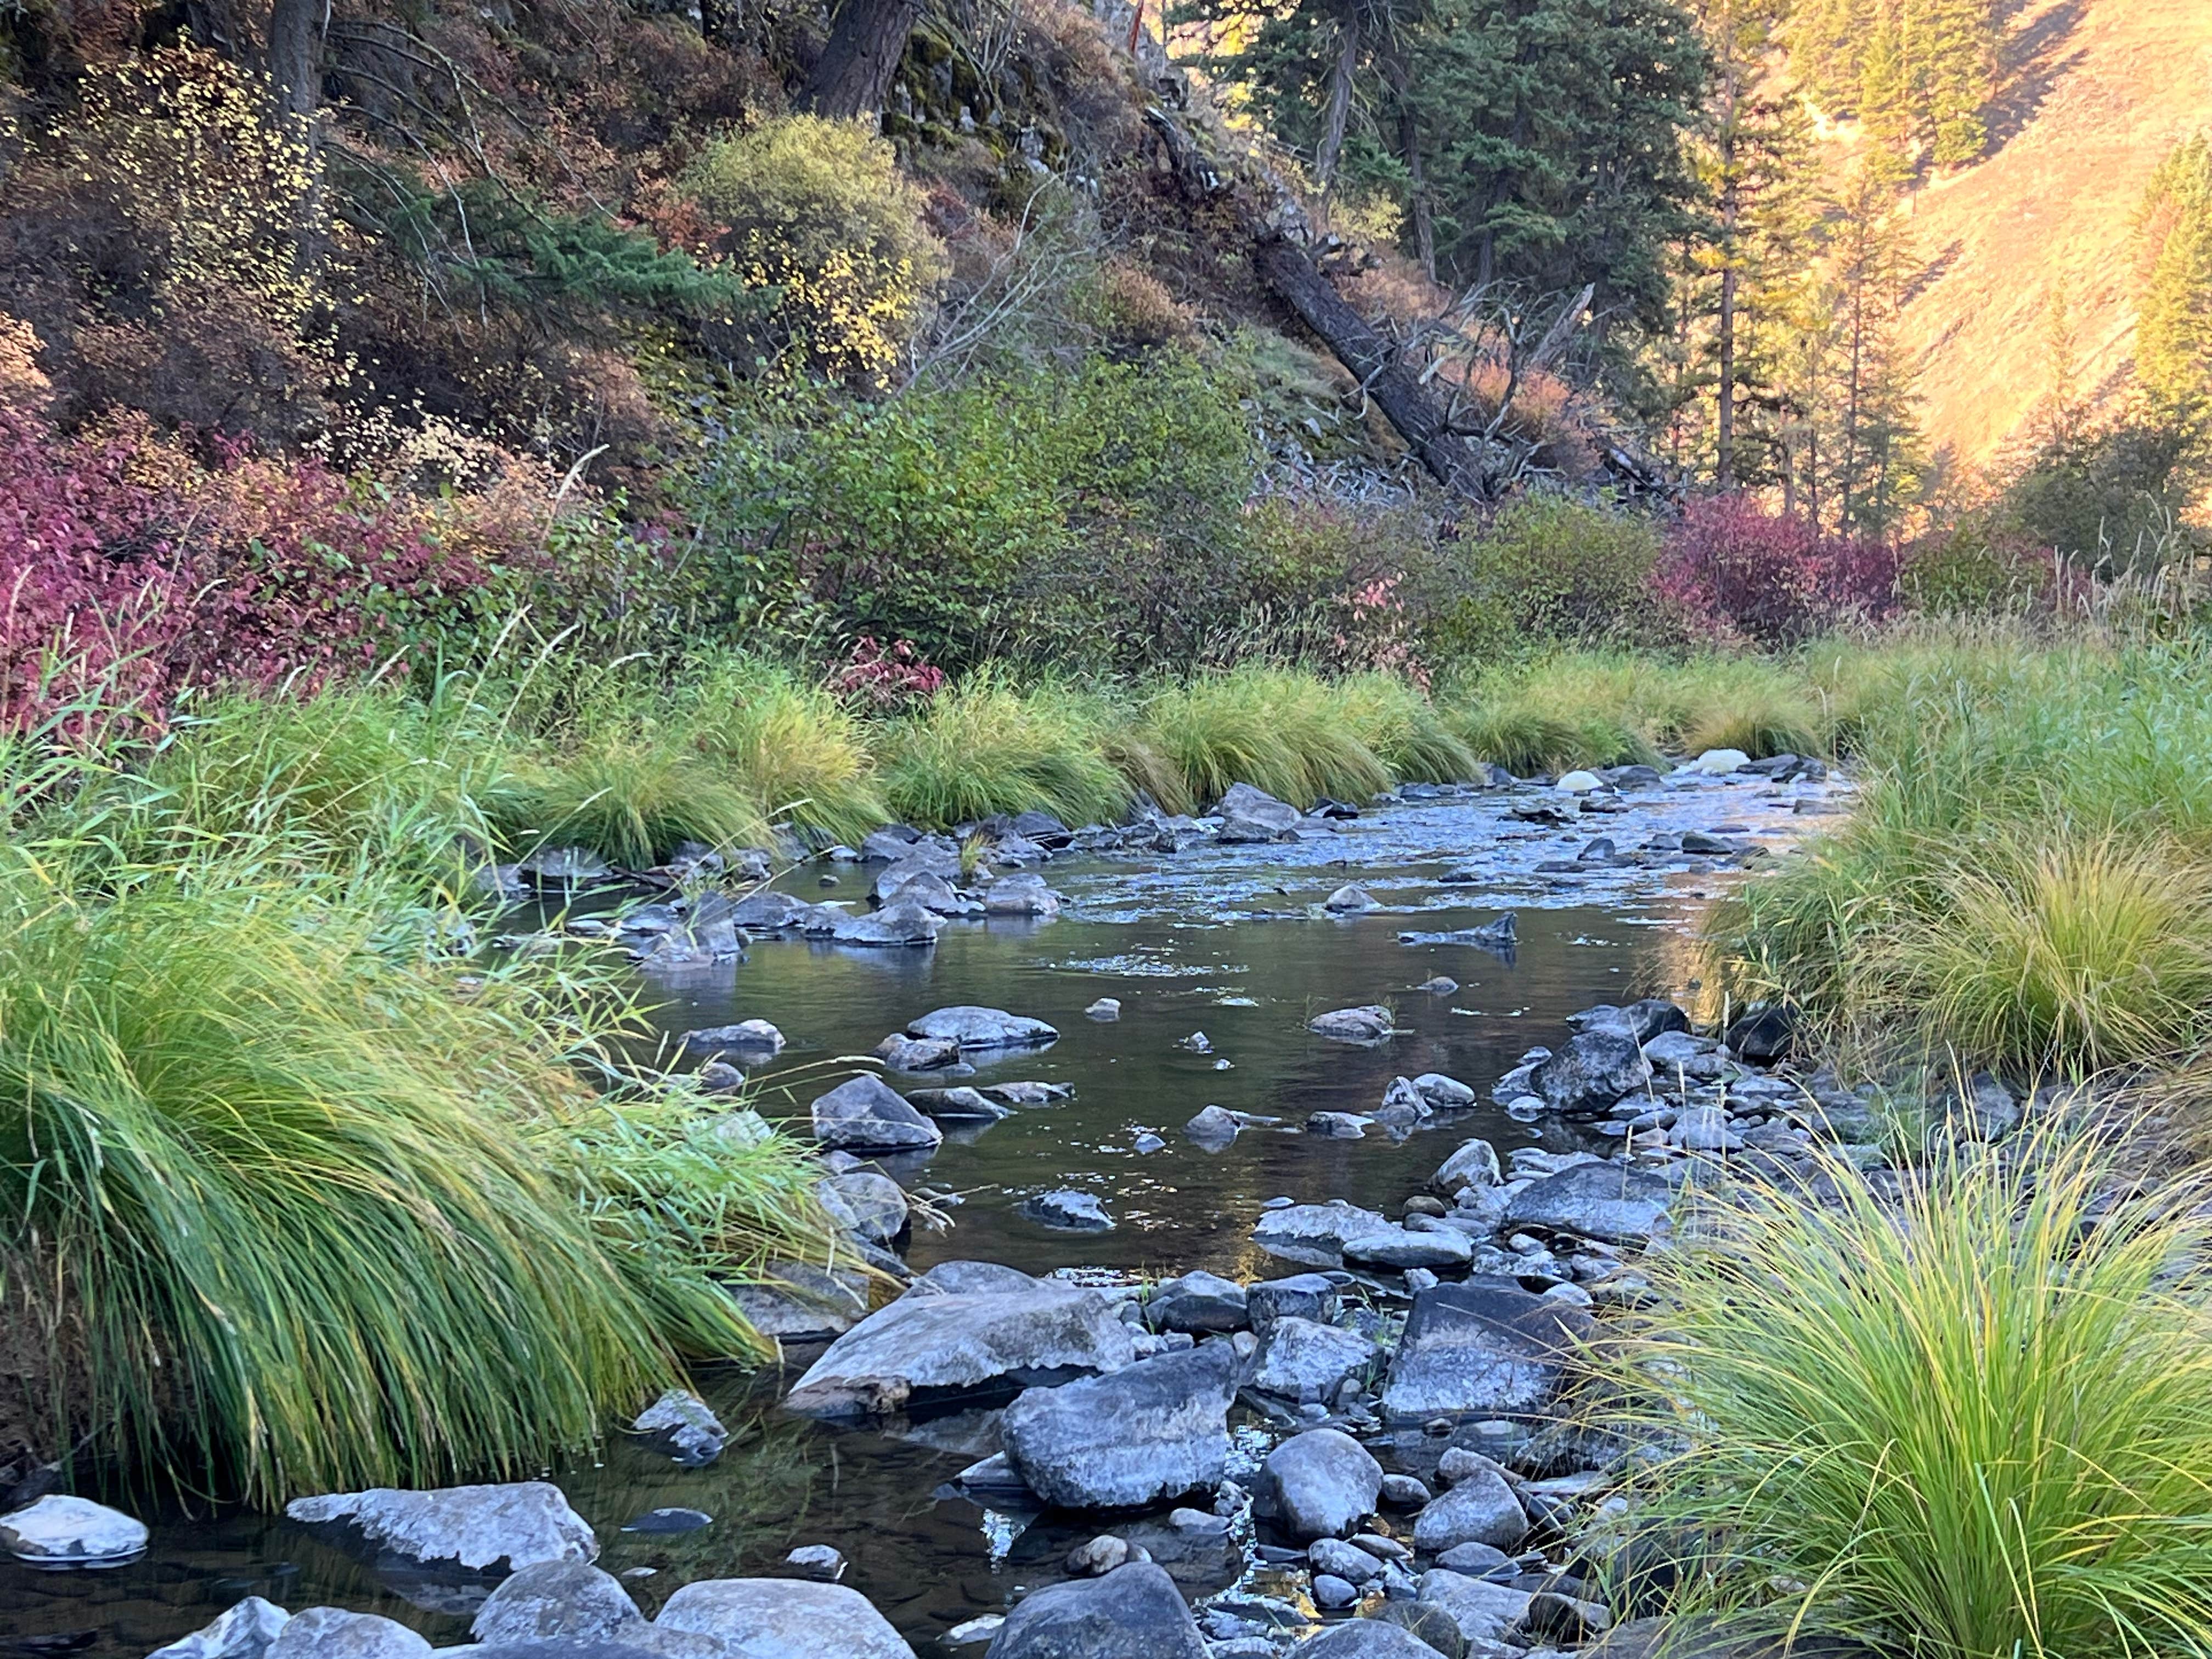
x=900, y=922
x=1314, y=1233
x=1134, y=1612
x=973, y=1027
x=864, y=1113
x=1300, y=1360
x=1151, y=1430
x=1367, y=1638
x=1197, y=1303
x=931, y=1344
x=783, y=1619
x=556, y=1598
x=1361, y=1025
x=872, y=1208
x=1301, y=1295
x=479, y=1528
x=1069, y=1210
x=1484, y=1346
x=1404, y=1247
x=243, y=1632
x=1612, y=1202
x=59, y=1528
x=1322, y=1484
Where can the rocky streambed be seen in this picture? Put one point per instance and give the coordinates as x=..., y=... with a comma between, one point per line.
x=1252, y=1181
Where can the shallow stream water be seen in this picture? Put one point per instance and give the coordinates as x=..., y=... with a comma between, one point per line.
x=1230, y=941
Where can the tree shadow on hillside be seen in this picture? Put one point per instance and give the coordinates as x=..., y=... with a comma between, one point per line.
x=2031, y=61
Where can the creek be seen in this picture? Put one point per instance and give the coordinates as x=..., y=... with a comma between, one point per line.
x=1226, y=941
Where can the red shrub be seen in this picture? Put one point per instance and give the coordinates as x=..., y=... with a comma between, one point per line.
x=1776, y=578
x=128, y=572
x=887, y=674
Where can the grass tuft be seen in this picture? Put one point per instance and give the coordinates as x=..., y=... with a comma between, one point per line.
x=798, y=753
x=982, y=747
x=1979, y=1412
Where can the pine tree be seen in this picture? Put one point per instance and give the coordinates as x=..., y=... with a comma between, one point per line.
x=1886, y=100
x=1959, y=47
x=2173, y=325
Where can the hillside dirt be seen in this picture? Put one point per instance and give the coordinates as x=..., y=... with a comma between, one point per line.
x=2097, y=92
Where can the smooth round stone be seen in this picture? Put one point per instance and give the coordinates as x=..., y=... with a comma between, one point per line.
x=61, y=1530
x=1332, y=1592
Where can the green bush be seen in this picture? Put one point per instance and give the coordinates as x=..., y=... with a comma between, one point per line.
x=819, y=211
x=1545, y=570
x=1037, y=517
x=1970, y=1407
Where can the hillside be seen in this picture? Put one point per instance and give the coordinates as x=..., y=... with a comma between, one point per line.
x=2098, y=91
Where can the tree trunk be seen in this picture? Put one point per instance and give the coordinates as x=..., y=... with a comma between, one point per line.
x=296, y=54
x=1340, y=103
x=1396, y=392
x=854, y=71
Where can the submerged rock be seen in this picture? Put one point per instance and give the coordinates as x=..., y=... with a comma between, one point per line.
x=872, y=1208
x=1347, y=900
x=478, y=1528
x=59, y=1530
x=958, y=1105
x=901, y=1052
x=1106, y=1010
x=864, y=1113
x=1500, y=935
x=750, y=1037
x=1321, y=1483
x=901, y=922
x=935, y=1343
x=1071, y=1211
x=1213, y=1127
x=783, y=1619
x=1134, y=1612
x=1151, y=1430
x=685, y=1428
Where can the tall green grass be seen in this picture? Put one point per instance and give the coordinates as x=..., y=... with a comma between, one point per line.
x=802, y=754
x=2027, y=877
x=292, y=1206
x=1973, y=1421
x=982, y=747
x=1294, y=734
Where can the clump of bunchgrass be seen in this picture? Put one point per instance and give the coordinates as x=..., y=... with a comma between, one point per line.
x=2077, y=954
x=631, y=793
x=1526, y=737
x=982, y=747
x=794, y=747
x=1402, y=729
x=1971, y=1412
x=1288, y=733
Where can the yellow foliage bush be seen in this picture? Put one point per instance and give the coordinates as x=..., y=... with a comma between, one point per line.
x=819, y=210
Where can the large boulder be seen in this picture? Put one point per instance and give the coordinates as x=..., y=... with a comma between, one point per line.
x=783, y=1619
x=864, y=1113
x=480, y=1529
x=1407, y=1246
x=1134, y=1612
x=333, y=1633
x=933, y=1344
x=1321, y=1483
x=974, y=1028
x=549, y=1599
x=1613, y=1202
x=1479, y=1509
x=58, y=1530
x=1590, y=1071
x=1314, y=1234
x=1301, y=1360
x=1764, y=1034
x=1150, y=1430
x=243, y=1632
x=1486, y=1346
x=900, y=922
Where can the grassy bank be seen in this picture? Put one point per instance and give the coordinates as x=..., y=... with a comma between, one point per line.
x=2028, y=879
